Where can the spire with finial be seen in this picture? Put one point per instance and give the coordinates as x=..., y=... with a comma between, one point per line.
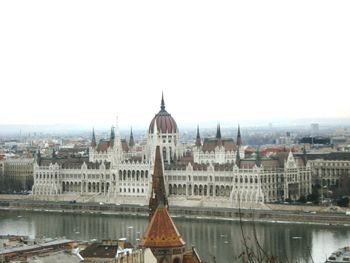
x=93, y=140
x=131, y=140
x=198, y=138
x=239, y=138
x=218, y=132
x=162, y=105
x=158, y=195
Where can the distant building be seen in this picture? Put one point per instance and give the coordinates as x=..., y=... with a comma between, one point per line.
x=213, y=173
x=17, y=174
x=318, y=140
x=328, y=168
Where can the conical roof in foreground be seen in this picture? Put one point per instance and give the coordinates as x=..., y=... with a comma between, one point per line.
x=161, y=231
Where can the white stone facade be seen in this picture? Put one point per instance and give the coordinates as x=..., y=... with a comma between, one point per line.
x=212, y=178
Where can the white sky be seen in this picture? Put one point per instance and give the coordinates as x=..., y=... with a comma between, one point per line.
x=84, y=62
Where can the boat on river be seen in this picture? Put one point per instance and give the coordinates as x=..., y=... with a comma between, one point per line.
x=341, y=255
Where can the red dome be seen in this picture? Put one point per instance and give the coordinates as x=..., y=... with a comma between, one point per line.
x=165, y=123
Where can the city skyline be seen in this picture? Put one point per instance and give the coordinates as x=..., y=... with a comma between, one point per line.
x=79, y=63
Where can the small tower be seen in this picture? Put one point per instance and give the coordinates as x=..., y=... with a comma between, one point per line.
x=161, y=234
x=198, y=138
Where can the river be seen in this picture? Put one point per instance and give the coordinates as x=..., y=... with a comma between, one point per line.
x=222, y=239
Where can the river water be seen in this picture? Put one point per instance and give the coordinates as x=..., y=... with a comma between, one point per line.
x=220, y=239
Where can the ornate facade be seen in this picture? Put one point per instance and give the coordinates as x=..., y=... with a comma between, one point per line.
x=214, y=173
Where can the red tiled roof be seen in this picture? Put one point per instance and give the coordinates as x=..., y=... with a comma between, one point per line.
x=161, y=232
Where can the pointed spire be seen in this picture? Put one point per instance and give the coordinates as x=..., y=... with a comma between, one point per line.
x=198, y=138
x=239, y=138
x=162, y=105
x=218, y=132
x=158, y=195
x=93, y=140
x=131, y=140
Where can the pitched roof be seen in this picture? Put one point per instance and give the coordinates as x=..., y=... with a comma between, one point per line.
x=161, y=231
x=102, y=146
x=209, y=144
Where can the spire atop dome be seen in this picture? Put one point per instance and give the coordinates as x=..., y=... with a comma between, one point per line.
x=162, y=104
x=165, y=123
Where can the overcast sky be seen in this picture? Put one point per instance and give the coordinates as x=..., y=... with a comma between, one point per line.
x=84, y=62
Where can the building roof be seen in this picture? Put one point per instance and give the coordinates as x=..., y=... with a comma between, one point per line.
x=99, y=250
x=210, y=144
x=125, y=145
x=161, y=232
x=73, y=163
x=103, y=145
x=165, y=123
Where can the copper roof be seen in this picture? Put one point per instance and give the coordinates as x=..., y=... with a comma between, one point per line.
x=165, y=123
x=161, y=232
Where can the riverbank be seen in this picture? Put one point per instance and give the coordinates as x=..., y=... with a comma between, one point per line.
x=272, y=213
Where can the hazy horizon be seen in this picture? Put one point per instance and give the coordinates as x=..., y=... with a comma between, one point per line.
x=86, y=62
